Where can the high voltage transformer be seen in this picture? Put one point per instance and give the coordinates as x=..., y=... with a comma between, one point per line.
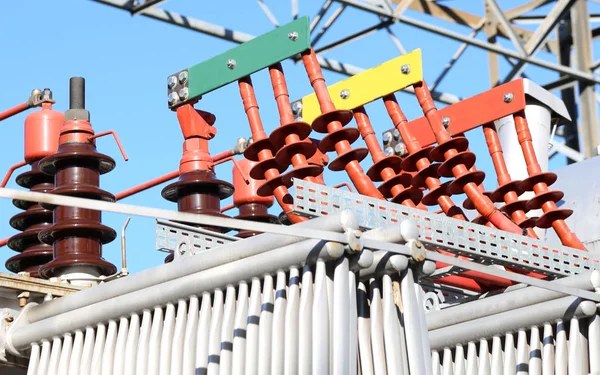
x=395, y=276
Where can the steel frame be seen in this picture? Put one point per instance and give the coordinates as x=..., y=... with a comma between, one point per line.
x=569, y=18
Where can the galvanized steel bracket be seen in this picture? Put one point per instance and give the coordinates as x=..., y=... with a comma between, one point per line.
x=190, y=84
x=365, y=87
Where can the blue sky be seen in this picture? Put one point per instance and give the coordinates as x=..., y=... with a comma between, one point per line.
x=126, y=60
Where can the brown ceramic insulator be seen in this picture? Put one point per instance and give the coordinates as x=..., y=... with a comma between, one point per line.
x=254, y=212
x=466, y=181
x=77, y=234
x=332, y=121
x=33, y=253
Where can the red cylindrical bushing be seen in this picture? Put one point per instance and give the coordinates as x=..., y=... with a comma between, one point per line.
x=42, y=129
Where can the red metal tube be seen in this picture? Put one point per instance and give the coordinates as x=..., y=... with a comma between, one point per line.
x=14, y=111
x=261, y=150
x=332, y=122
x=538, y=181
x=10, y=172
x=448, y=147
x=147, y=185
x=4, y=241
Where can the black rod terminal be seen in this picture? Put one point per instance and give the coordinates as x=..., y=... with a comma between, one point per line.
x=77, y=93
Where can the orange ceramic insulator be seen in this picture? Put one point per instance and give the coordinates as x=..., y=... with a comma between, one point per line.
x=290, y=139
x=538, y=182
x=42, y=129
x=452, y=151
x=396, y=184
x=332, y=122
x=261, y=150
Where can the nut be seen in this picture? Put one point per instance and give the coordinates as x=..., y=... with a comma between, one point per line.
x=171, y=81
x=388, y=151
x=446, y=121
x=184, y=93
x=344, y=94
x=400, y=149
x=183, y=77
x=293, y=36
x=405, y=69
x=508, y=97
x=173, y=98
x=8, y=317
x=231, y=64
x=296, y=107
x=387, y=137
x=396, y=134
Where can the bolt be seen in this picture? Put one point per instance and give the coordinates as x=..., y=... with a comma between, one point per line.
x=388, y=151
x=508, y=97
x=183, y=77
x=293, y=36
x=400, y=149
x=9, y=318
x=344, y=94
x=387, y=137
x=396, y=134
x=171, y=81
x=231, y=64
x=184, y=93
x=173, y=98
x=405, y=69
x=36, y=92
x=297, y=107
x=446, y=121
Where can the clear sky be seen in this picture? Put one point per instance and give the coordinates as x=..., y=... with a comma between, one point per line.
x=126, y=60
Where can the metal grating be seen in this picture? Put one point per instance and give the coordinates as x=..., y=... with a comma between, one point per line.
x=480, y=243
x=186, y=240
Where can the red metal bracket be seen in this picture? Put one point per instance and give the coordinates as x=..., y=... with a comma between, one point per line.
x=114, y=134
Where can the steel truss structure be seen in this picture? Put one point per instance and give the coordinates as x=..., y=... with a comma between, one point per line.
x=564, y=27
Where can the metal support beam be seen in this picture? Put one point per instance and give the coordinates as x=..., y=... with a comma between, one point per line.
x=139, y=7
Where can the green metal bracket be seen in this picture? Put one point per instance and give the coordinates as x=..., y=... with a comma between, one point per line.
x=247, y=58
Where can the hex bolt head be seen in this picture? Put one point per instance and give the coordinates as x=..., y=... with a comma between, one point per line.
x=173, y=98
x=405, y=69
x=388, y=151
x=400, y=149
x=396, y=134
x=171, y=81
x=184, y=93
x=293, y=36
x=9, y=318
x=231, y=64
x=296, y=107
x=387, y=137
x=344, y=94
x=508, y=97
x=183, y=77
x=446, y=121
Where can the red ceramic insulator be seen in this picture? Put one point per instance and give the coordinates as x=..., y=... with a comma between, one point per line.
x=33, y=252
x=250, y=205
x=290, y=138
x=332, y=122
x=538, y=182
x=452, y=150
x=197, y=190
x=261, y=151
x=396, y=184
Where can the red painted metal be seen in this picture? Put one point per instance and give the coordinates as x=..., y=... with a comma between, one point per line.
x=114, y=134
x=14, y=111
x=42, y=129
x=10, y=171
x=332, y=122
x=262, y=150
x=538, y=182
x=453, y=150
x=147, y=185
x=197, y=190
x=4, y=241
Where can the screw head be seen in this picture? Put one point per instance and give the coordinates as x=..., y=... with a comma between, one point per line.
x=400, y=149
x=388, y=151
x=9, y=318
x=173, y=98
x=405, y=69
x=446, y=121
x=184, y=93
x=396, y=134
x=183, y=77
x=293, y=36
x=344, y=94
x=171, y=81
x=296, y=107
x=231, y=64
x=508, y=97
x=387, y=137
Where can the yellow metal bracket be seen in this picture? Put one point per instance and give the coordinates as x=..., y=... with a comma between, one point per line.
x=365, y=87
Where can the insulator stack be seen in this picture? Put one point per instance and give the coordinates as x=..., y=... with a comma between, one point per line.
x=77, y=235
x=396, y=184
x=251, y=206
x=41, y=134
x=338, y=138
x=456, y=162
x=197, y=189
x=538, y=182
x=262, y=151
x=290, y=139
x=418, y=160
